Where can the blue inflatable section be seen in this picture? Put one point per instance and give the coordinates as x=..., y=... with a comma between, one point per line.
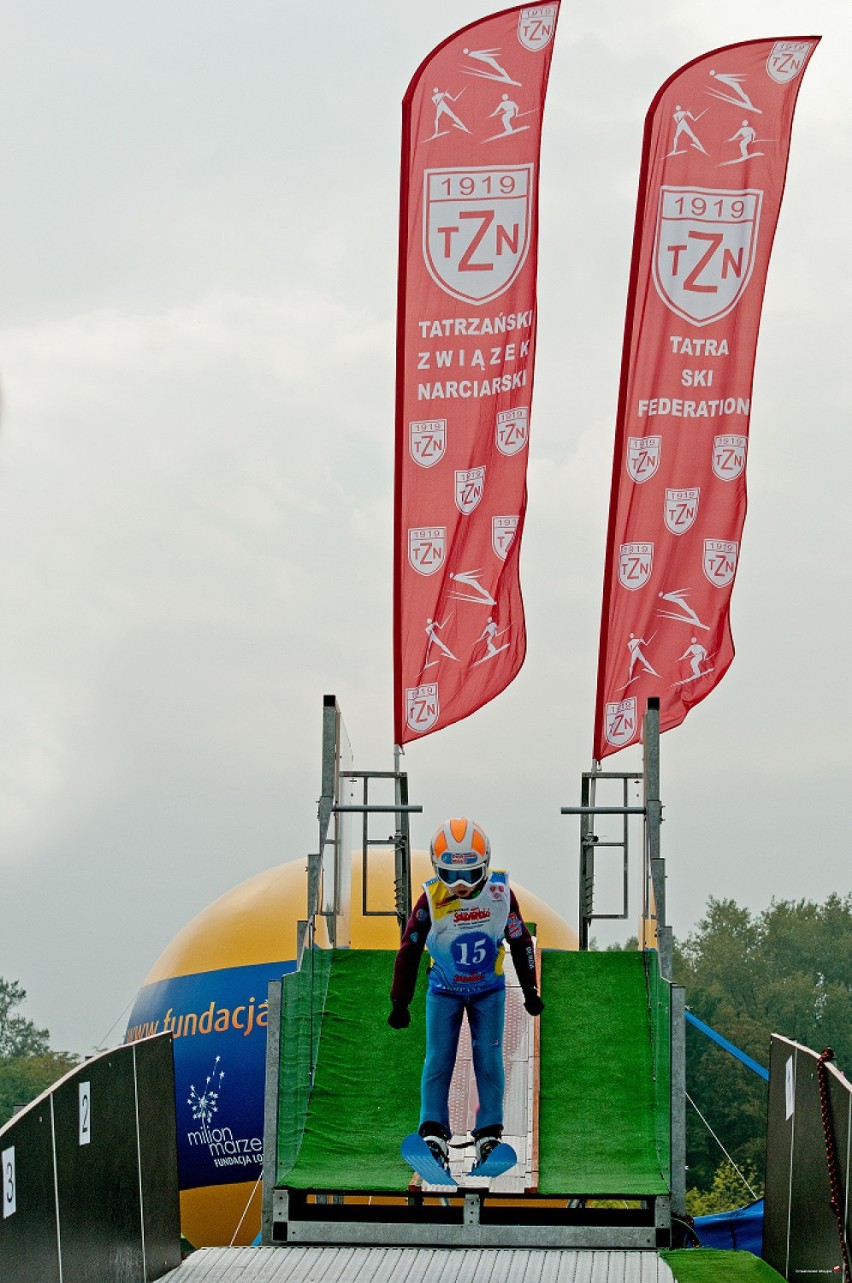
x=218, y=1021
x=740, y=1230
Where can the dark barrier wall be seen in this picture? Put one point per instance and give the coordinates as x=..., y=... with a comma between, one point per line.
x=89, y=1174
x=801, y=1237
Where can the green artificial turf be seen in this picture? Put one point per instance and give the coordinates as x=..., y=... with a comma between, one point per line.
x=604, y=1104
x=708, y=1265
x=302, y=1001
x=367, y=1083
x=604, y=1095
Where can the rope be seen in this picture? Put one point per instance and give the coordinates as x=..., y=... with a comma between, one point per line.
x=245, y=1209
x=101, y=1046
x=728, y=1046
x=753, y=1193
x=834, y=1178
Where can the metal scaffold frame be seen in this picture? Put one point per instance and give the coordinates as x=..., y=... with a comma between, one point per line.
x=329, y=868
x=655, y=931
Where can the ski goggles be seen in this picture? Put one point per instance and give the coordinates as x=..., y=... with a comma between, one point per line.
x=470, y=876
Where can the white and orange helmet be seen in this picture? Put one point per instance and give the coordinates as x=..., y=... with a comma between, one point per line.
x=461, y=854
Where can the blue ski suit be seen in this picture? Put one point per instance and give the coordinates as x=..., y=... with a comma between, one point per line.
x=465, y=940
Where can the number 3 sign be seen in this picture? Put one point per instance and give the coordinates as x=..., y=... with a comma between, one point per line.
x=8, y=1161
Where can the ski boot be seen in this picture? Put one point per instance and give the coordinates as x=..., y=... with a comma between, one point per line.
x=436, y=1137
x=485, y=1140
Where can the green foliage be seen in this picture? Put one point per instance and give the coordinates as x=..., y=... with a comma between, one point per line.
x=786, y=970
x=27, y=1064
x=26, y=1077
x=728, y=1191
x=18, y=1036
x=631, y=944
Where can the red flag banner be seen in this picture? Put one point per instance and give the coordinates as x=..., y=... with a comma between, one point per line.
x=714, y=163
x=466, y=326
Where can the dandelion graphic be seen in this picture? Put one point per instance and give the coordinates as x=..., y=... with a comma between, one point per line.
x=206, y=1103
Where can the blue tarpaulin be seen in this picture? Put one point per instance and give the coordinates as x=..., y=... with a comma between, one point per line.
x=741, y=1229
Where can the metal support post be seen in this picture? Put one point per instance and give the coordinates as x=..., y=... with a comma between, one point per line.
x=402, y=846
x=678, y=1089
x=655, y=868
x=270, y=1112
x=588, y=838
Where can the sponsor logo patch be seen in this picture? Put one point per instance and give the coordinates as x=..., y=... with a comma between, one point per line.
x=471, y=915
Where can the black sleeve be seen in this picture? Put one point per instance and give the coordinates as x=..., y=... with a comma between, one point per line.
x=408, y=956
x=521, y=947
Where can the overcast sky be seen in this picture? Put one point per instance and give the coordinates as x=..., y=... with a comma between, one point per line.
x=197, y=317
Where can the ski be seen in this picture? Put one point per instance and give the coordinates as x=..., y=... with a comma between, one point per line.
x=418, y=1155
x=501, y=1158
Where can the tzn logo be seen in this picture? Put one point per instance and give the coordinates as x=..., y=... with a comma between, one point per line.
x=503, y=532
x=476, y=228
x=422, y=707
x=681, y=509
x=635, y=563
x=729, y=456
x=643, y=457
x=512, y=431
x=704, y=252
x=621, y=722
x=427, y=547
x=427, y=441
x=536, y=26
x=470, y=486
x=719, y=562
x=787, y=59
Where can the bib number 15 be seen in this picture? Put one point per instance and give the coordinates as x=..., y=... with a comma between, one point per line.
x=473, y=951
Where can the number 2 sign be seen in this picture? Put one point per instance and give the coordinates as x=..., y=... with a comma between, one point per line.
x=85, y=1114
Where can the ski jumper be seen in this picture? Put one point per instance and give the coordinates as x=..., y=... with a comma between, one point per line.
x=465, y=939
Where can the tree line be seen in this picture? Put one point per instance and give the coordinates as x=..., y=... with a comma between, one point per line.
x=28, y=1066
x=785, y=970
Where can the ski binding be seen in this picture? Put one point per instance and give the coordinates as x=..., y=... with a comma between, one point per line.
x=501, y=1158
x=418, y=1155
